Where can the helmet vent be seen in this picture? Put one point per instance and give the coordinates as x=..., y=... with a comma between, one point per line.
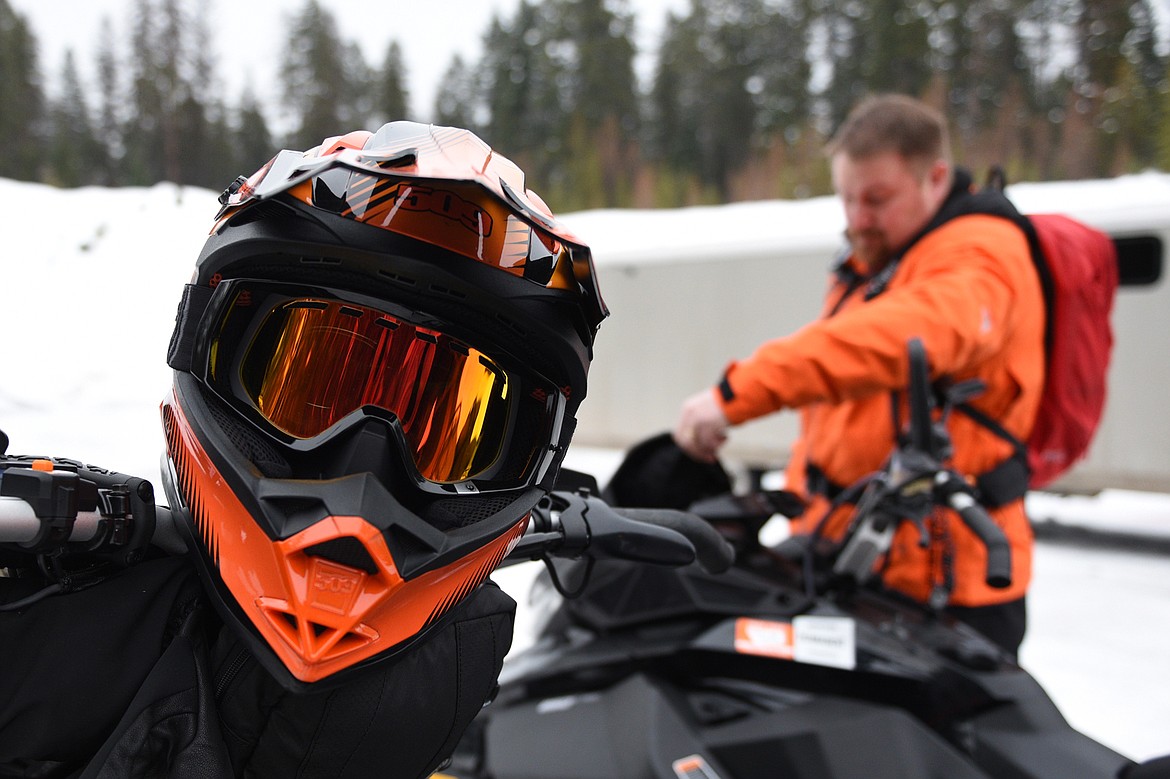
x=347, y=551
x=451, y=293
x=319, y=261
x=452, y=513
x=315, y=641
x=397, y=278
x=255, y=213
x=508, y=323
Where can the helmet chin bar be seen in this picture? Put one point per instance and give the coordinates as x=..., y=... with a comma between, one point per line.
x=328, y=608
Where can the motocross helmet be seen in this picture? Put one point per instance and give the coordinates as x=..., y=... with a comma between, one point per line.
x=377, y=368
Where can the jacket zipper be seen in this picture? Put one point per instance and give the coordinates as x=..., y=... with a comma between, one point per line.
x=230, y=672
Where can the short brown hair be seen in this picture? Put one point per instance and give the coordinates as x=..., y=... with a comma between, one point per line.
x=897, y=123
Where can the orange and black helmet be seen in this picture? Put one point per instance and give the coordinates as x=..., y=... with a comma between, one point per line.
x=377, y=368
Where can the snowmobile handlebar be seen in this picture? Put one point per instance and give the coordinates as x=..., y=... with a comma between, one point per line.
x=61, y=506
x=580, y=525
x=915, y=479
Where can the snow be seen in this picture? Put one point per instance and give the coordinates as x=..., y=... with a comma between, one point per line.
x=90, y=284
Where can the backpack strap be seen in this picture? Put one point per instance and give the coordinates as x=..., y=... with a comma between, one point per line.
x=1008, y=481
x=995, y=183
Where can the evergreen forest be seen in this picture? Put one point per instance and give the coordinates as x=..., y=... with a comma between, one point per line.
x=741, y=97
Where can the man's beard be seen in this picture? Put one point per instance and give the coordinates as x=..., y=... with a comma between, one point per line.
x=869, y=248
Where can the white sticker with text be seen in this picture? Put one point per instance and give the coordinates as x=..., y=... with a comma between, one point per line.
x=829, y=641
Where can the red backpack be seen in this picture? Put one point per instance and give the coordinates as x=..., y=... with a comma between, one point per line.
x=1078, y=270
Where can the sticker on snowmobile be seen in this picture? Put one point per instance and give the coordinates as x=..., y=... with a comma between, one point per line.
x=764, y=637
x=828, y=641
x=693, y=767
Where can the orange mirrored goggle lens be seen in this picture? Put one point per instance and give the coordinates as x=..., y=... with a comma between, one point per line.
x=316, y=361
x=306, y=362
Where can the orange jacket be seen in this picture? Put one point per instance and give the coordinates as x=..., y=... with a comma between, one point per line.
x=968, y=289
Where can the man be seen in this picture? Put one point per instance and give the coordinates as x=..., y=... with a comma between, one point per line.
x=919, y=265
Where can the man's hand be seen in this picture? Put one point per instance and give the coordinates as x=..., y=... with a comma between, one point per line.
x=701, y=428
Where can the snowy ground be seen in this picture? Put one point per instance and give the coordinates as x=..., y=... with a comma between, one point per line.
x=91, y=280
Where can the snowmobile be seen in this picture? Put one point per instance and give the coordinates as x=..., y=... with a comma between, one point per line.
x=790, y=662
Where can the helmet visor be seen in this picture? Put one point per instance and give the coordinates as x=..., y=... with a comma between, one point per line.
x=299, y=360
x=484, y=218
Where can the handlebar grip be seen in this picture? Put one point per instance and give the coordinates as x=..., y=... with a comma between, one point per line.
x=999, y=551
x=19, y=523
x=166, y=534
x=712, y=551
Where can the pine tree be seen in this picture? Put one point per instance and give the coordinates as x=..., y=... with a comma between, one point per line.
x=597, y=61
x=897, y=57
x=108, y=121
x=674, y=96
x=521, y=88
x=727, y=127
x=324, y=80
x=143, y=133
x=780, y=86
x=21, y=98
x=730, y=73
x=1162, y=134
x=1106, y=79
x=74, y=157
x=1135, y=103
x=176, y=97
x=458, y=100
x=251, y=137
x=845, y=47
x=594, y=66
x=734, y=109
x=393, y=98
x=990, y=98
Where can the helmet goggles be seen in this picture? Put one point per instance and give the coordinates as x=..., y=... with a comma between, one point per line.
x=303, y=362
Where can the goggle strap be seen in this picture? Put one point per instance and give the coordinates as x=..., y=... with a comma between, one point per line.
x=187, y=319
x=548, y=480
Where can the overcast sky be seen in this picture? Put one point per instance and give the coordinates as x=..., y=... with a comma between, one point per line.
x=429, y=32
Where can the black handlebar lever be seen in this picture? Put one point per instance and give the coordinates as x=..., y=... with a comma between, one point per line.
x=579, y=526
x=958, y=496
